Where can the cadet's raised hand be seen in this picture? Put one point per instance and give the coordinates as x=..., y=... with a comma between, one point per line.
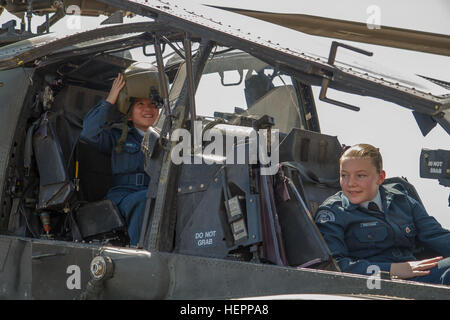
x=411, y=269
x=116, y=87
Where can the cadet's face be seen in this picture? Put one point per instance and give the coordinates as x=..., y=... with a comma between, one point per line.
x=144, y=113
x=359, y=179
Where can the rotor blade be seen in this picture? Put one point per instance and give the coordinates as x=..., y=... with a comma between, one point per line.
x=355, y=31
x=442, y=83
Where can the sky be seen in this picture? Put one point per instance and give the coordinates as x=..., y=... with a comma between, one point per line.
x=386, y=125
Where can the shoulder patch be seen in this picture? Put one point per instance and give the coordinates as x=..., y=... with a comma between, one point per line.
x=324, y=216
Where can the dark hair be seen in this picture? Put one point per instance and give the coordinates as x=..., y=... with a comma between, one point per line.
x=363, y=150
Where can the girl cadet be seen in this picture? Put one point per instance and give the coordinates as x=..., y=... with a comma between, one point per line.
x=135, y=93
x=369, y=224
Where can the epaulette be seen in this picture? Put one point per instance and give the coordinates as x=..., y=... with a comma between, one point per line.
x=118, y=126
x=334, y=200
x=396, y=189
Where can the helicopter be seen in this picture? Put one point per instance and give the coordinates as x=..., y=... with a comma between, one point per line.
x=217, y=225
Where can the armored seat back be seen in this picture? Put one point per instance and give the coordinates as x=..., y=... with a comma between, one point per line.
x=55, y=186
x=281, y=104
x=309, y=173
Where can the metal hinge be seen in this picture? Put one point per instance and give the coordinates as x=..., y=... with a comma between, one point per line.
x=326, y=80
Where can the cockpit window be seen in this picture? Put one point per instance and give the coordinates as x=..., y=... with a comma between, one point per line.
x=248, y=87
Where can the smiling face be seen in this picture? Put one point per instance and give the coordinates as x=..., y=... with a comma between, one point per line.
x=144, y=113
x=360, y=179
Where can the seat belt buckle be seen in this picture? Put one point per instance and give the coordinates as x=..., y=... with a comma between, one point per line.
x=140, y=179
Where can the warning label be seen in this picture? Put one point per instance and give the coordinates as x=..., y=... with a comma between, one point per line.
x=204, y=239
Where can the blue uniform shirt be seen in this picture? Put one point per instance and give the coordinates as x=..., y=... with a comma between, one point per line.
x=131, y=159
x=358, y=237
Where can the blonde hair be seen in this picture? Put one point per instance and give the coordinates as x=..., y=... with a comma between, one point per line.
x=366, y=151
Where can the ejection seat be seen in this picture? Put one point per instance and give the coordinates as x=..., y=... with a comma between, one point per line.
x=58, y=194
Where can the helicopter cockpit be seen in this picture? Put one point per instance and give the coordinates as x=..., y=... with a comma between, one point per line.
x=57, y=183
x=63, y=181
x=237, y=160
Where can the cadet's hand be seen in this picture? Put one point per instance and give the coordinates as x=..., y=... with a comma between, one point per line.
x=411, y=269
x=117, y=85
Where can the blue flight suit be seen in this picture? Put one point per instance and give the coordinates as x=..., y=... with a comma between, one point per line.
x=130, y=180
x=358, y=237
